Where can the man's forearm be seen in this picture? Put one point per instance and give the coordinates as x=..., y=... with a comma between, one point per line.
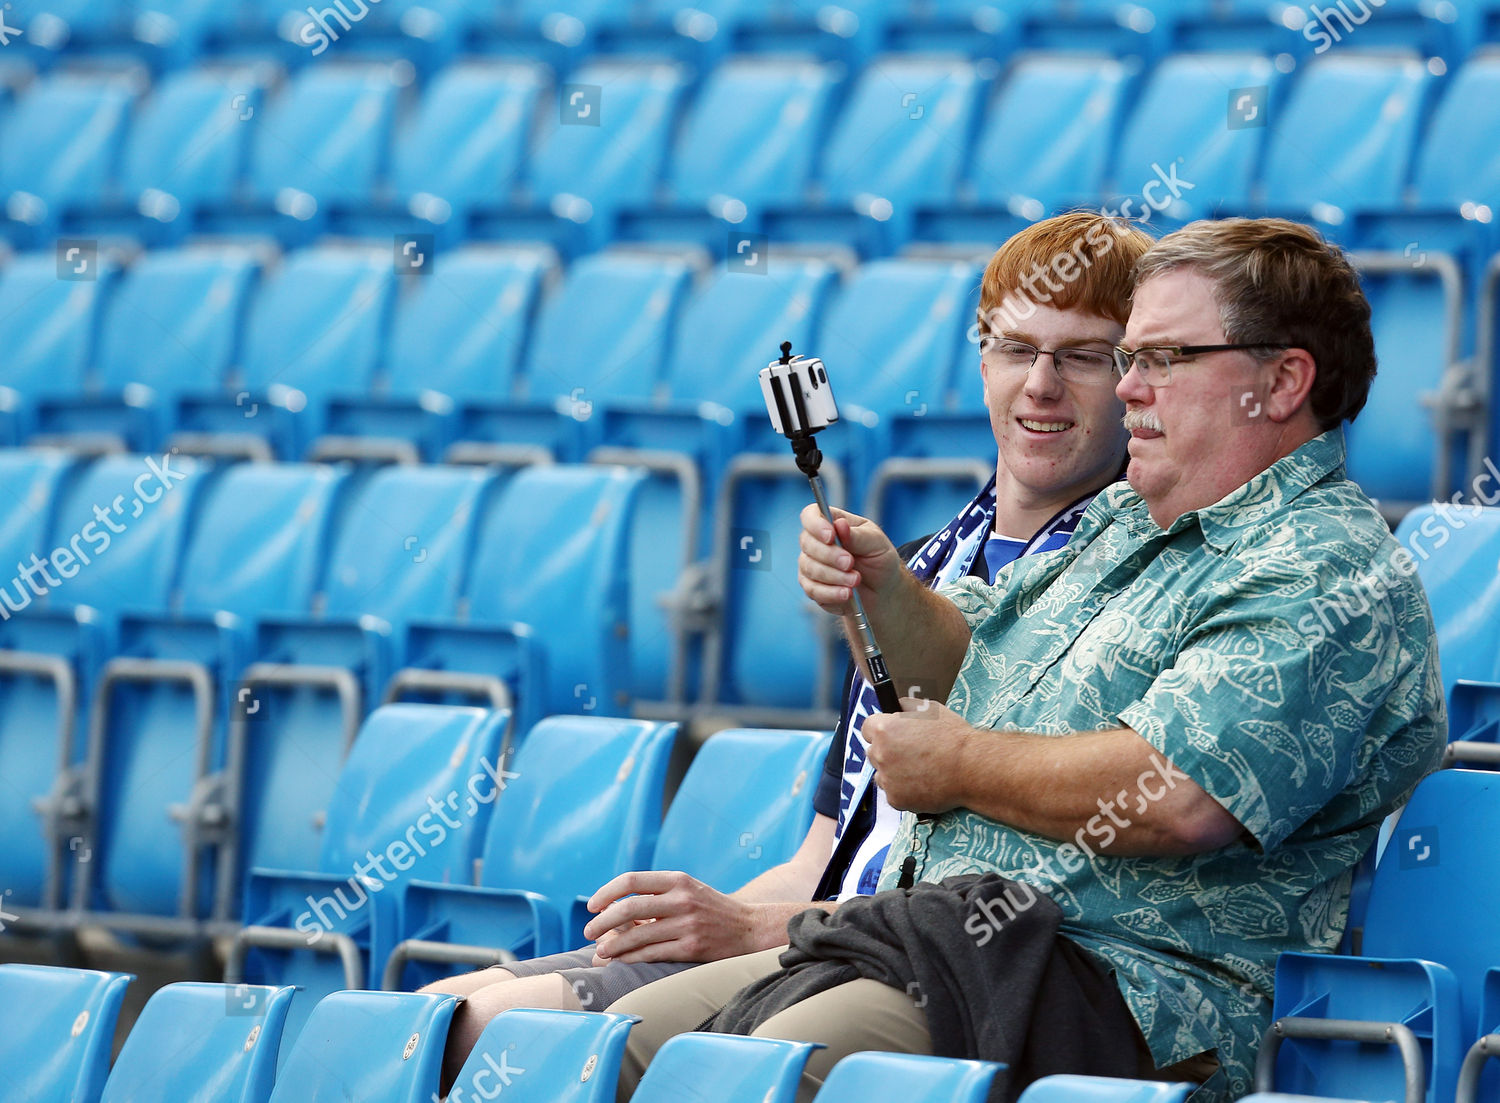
x=770, y=921
x=922, y=636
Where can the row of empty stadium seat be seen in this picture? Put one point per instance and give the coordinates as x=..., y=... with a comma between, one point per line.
x=200, y=1042
x=915, y=147
x=500, y=354
x=169, y=31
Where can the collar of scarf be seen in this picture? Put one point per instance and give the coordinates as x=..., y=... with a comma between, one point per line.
x=945, y=558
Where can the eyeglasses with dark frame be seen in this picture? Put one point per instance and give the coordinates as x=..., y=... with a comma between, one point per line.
x=1074, y=365
x=1154, y=362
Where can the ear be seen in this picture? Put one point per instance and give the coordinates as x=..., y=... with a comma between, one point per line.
x=1292, y=379
x=984, y=383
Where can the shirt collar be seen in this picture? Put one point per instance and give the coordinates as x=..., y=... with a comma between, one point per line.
x=1268, y=493
x=1250, y=504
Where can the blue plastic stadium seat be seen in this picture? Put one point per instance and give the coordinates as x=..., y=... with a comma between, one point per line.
x=1448, y=31
x=239, y=565
x=743, y=807
x=1455, y=189
x=400, y=546
x=1473, y=724
x=980, y=28
x=456, y=340
x=1344, y=139
x=1102, y=1089
x=882, y=1077
x=186, y=151
x=179, y=32
x=736, y=323
x=898, y=145
x=62, y=142
x=548, y=608
x=1427, y=976
x=50, y=343
x=71, y=27
x=1282, y=1097
x=320, y=149
x=32, y=712
x=315, y=331
x=1178, y=123
x=891, y=341
x=171, y=325
x=744, y=1070
x=1452, y=549
x=1266, y=26
x=56, y=1028
x=1119, y=26
x=848, y=31
x=377, y=1047
x=1393, y=444
x=601, y=339
x=583, y=806
x=426, y=32
x=418, y=791
x=1044, y=144
x=569, y=1057
x=582, y=172
x=462, y=148
x=199, y=1042
x=749, y=141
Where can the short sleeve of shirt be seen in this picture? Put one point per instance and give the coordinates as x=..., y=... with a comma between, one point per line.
x=975, y=600
x=1288, y=686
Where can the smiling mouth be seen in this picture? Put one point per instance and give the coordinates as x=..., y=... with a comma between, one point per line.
x=1045, y=426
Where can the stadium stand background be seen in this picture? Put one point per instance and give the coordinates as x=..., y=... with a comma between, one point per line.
x=398, y=351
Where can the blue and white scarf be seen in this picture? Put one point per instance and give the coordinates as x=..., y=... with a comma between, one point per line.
x=948, y=556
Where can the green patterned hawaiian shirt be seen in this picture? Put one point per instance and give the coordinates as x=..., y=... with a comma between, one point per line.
x=1275, y=648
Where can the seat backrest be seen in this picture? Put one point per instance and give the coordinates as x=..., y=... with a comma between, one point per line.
x=896, y=329
x=742, y=1070
x=258, y=540
x=197, y=1041
x=584, y=805
x=878, y=1077
x=1441, y=861
x=614, y=164
x=1453, y=549
x=1392, y=444
x=754, y=132
x=401, y=544
x=1179, y=119
x=1065, y=1088
x=744, y=806
x=317, y=323
x=462, y=335
x=1456, y=164
x=604, y=334
x=734, y=326
x=326, y=134
x=377, y=1047
x=403, y=755
x=63, y=136
x=551, y=553
x=49, y=345
x=569, y=1057
x=29, y=719
x=174, y=321
x=123, y=519
x=1047, y=132
x=56, y=1030
x=191, y=139
x=1346, y=133
x=879, y=147
x=465, y=143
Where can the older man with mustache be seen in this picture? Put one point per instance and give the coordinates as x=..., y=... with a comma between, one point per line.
x=1143, y=773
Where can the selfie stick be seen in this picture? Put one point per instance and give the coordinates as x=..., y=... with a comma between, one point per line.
x=793, y=421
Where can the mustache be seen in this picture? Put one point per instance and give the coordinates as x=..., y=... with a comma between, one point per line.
x=1142, y=419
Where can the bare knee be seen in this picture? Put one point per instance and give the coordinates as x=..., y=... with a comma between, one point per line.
x=466, y=984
